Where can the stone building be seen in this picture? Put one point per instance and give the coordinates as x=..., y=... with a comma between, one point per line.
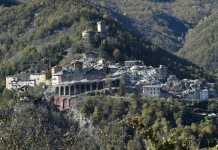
x=88, y=38
x=74, y=88
x=79, y=78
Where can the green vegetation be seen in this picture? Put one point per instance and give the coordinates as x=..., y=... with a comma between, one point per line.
x=165, y=22
x=201, y=43
x=39, y=34
x=157, y=124
x=37, y=125
x=115, y=123
x=34, y=35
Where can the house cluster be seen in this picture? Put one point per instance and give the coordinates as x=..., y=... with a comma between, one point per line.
x=26, y=80
x=80, y=78
x=188, y=89
x=91, y=74
x=157, y=82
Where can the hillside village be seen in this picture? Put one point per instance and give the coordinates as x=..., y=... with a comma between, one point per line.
x=90, y=75
x=100, y=75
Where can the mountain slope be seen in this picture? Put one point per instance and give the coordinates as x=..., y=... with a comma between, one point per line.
x=164, y=22
x=42, y=30
x=39, y=34
x=105, y=122
x=201, y=46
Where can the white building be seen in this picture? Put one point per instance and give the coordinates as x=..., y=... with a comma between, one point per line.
x=56, y=78
x=100, y=26
x=85, y=34
x=204, y=95
x=9, y=81
x=39, y=78
x=12, y=83
x=28, y=83
x=56, y=69
x=152, y=90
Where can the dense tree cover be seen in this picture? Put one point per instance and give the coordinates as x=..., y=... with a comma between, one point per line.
x=31, y=37
x=37, y=125
x=110, y=123
x=201, y=43
x=152, y=123
x=35, y=35
x=164, y=22
x=39, y=34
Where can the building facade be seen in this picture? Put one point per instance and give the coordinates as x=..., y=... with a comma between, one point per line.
x=9, y=82
x=74, y=88
x=39, y=78
x=152, y=90
x=204, y=95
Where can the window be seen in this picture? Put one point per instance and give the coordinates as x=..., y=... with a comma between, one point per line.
x=57, y=90
x=62, y=90
x=71, y=90
x=94, y=86
x=67, y=90
x=77, y=89
x=83, y=88
x=101, y=85
x=88, y=87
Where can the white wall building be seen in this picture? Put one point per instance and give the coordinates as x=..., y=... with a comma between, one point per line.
x=204, y=95
x=152, y=90
x=56, y=78
x=28, y=83
x=39, y=78
x=85, y=34
x=9, y=81
x=12, y=83
x=100, y=26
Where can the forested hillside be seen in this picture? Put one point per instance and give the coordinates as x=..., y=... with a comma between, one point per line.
x=164, y=22
x=39, y=34
x=108, y=123
x=201, y=46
